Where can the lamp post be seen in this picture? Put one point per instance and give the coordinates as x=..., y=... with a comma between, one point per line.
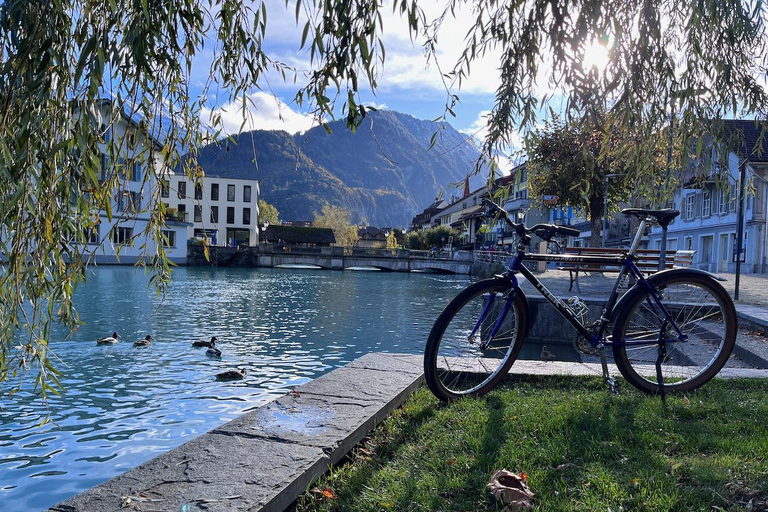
x=605, y=205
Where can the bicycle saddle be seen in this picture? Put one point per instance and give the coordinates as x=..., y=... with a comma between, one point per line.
x=663, y=217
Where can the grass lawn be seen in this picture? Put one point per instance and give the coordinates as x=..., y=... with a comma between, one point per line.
x=581, y=449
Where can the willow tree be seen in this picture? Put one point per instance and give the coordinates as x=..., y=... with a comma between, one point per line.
x=693, y=61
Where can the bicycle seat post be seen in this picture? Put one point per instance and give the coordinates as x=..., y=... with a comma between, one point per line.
x=663, y=248
x=638, y=236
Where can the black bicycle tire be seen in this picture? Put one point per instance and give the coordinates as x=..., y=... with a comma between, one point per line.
x=680, y=276
x=444, y=319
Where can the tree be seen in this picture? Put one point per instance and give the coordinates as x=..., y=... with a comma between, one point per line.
x=415, y=240
x=572, y=162
x=337, y=219
x=59, y=59
x=268, y=214
x=391, y=240
x=439, y=235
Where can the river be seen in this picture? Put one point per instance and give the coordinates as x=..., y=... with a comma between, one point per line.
x=124, y=405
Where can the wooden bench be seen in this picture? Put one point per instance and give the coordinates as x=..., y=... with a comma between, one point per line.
x=647, y=260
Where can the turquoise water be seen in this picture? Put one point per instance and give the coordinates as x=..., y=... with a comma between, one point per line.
x=124, y=404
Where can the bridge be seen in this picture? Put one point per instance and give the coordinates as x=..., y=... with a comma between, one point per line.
x=336, y=258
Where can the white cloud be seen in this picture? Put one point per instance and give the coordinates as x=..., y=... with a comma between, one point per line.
x=262, y=111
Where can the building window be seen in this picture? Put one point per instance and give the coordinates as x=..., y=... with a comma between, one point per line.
x=198, y=190
x=182, y=189
x=688, y=243
x=230, y=215
x=122, y=235
x=134, y=204
x=214, y=191
x=169, y=238
x=214, y=214
x=104, y=167
x=106, y=134
x=246, y=216
x=182, y=209
x=136, y=171
x=689, y=200
x=164, y=188
x=198, y=213
x=92, y=235
x=230, y=192
x=706, y=204
x=247, y=193
x=722, y=201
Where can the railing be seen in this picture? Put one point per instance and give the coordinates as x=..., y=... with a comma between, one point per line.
x=492, y=257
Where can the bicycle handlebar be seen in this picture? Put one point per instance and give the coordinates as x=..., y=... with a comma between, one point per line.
x=544, y=231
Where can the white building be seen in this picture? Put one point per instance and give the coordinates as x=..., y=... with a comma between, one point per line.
x=223, y=210
x=121, y=237
x=708, y=207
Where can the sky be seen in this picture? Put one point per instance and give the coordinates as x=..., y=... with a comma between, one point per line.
x=407, y=82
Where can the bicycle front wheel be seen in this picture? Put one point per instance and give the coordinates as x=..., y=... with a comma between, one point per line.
x=698, y=336
x=475, y=340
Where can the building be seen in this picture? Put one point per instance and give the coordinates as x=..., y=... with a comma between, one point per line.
x=118, y=235
x=224, y=211
x=291, y=236
x=708, y=204
x=371, y=238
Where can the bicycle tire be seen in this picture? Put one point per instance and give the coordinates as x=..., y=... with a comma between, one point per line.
x=703, y=311
x=454, y=365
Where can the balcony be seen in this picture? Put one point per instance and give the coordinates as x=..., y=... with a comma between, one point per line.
x=522, y=203
x=173, y=215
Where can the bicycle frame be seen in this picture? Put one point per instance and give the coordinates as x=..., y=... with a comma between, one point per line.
x=595, y=335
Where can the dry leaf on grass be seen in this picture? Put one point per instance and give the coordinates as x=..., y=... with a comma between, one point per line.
x=512, y=490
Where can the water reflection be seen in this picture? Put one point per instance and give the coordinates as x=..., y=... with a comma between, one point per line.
x=126, y=404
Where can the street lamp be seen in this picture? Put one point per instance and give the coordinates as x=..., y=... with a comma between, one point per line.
x=605, y=206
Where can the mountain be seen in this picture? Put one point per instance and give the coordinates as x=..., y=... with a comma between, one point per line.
x=383, y=172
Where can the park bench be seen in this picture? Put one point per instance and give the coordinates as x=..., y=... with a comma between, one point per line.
x=647, y=260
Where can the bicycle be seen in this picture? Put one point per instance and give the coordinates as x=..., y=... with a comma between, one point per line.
x=672, y=331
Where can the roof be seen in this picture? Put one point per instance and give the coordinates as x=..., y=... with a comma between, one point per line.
x=368, y=232
x=299, y=235
x=743, y=137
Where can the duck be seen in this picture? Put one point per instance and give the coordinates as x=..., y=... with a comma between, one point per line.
x=213, y=352
x=108, y=340
x=546, y=355
x=231, y=374
x=208, y=344
x=143, y=343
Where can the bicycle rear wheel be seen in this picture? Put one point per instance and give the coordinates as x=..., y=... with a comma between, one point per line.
x=475, y=340
x=704, y=314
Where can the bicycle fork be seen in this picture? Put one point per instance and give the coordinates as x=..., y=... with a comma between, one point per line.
x=499, y=321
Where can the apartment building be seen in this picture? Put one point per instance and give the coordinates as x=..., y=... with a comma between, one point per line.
x=224, y=211
x=120, y=236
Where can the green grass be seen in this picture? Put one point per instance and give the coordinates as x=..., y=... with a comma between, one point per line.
x=581, y=448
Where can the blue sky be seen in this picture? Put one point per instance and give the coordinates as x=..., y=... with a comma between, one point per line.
x=407, y=83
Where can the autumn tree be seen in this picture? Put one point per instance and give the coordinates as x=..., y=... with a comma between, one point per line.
x=268, y=214
x=338, y=219
x=692, y=61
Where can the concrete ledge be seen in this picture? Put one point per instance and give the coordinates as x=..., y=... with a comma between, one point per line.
x=263, y=460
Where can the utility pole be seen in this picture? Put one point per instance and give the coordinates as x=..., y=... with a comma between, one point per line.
x=740, y=226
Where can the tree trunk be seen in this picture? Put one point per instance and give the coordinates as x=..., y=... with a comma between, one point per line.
x=596, y=219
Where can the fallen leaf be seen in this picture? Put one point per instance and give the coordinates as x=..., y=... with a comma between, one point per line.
x=451, y=461
x=326, y=492
x=634, y=483
x=511, y=490
x=294, y=393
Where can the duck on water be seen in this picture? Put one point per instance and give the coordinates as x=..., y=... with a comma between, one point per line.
x=108, y=340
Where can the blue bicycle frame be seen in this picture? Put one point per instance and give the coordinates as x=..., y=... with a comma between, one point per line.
x=595, y=335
